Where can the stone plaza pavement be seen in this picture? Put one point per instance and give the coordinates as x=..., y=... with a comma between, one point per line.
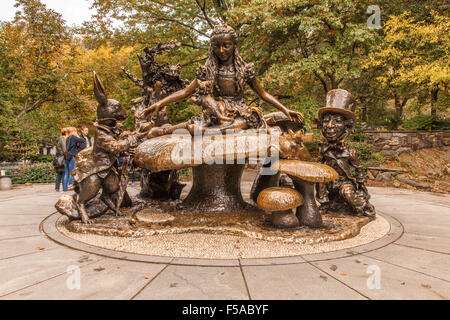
x=412, y=262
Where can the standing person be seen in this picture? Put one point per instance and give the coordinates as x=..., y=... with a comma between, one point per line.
x=59, y=158
x=85, y=135
x=74, y=144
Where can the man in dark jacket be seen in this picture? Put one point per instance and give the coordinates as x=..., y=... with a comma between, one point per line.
x=86, y=137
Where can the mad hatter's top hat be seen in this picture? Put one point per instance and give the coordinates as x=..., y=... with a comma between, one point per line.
x=339, y=101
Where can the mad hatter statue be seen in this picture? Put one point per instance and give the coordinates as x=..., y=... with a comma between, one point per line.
x=348, y=193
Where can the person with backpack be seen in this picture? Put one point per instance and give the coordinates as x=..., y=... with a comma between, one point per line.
x=74, y=144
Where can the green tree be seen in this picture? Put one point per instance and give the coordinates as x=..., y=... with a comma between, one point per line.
x=413, y=58
x=295, y=39
x=149, y=22
x=38, y=54
x=31, y=67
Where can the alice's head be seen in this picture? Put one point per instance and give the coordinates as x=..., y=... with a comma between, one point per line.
x=224, y=49
x=223, y=43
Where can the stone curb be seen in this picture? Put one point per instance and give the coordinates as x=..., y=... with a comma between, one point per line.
x=48, y=229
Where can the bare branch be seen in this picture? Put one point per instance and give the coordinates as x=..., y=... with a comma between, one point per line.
x=136, y=81
x=38, y=103
x=182, y=24
x=203, y=9
x=193, y=61
x=324, y=84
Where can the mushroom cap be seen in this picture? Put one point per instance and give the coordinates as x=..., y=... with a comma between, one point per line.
x=308, y=171
x=178, y=151
x=279, y=199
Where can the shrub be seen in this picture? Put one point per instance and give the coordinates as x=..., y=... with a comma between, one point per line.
x=35, y=173
x=365, y=153
x=40, y=158
x=427, y=122
x=6, y=156
x=392, y=123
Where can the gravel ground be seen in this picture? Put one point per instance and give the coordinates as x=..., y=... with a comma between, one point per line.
x=208, y=246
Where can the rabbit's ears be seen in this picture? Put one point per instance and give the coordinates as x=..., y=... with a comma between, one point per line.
x=99, y=90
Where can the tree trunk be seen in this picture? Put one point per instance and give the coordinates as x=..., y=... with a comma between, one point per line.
x=364, y=110
x=434, y=97
x=398, y=108
x=334, y=83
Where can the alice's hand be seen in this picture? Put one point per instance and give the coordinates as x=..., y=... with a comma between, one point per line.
x=296, y=116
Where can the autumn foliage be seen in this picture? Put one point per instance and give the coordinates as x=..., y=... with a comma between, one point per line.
x=301, y=49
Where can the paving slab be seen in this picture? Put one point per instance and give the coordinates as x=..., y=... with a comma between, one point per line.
x=430, y=263
x=15, y=209
x=196, y=283
x=22, y=246
x=429, y=229
x=12, y=232
x=21, y=191
x=294, y=282
x=360, y=272
x=433, y=243
x=427, y=219
x=108, y=279
x=14, y=220
x=29, y=201
x=20, y=272
x=410, y=207
x=427, y=197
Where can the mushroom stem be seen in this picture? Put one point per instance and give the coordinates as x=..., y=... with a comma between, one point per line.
x=284, y=219
x=308, y=214
x=264, y=181
x=216, y=189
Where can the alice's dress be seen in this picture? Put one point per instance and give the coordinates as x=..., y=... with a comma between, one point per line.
x=231, y=95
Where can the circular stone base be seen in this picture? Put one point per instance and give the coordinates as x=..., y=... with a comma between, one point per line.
x=167, y=218
x=222, y=246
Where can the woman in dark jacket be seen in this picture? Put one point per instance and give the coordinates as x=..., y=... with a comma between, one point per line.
x=60, y=149
x=74, y=144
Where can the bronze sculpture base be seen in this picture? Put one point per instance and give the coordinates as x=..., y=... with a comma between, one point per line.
x=251, y=223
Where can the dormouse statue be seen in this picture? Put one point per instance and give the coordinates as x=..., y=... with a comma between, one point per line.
x=96, y=168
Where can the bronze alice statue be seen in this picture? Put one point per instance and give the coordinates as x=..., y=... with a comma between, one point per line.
x=219, y=89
